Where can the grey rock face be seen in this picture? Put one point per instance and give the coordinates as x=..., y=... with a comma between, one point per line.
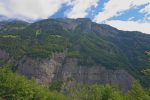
x=58, y=67
x=43, y=70
x=96, y=74
x=4, y=55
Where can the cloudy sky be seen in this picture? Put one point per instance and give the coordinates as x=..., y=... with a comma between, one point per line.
x=131, y=15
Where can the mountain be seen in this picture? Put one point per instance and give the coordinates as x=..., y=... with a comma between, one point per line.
x=55, y=49
x=2, y=18
x=6, y=18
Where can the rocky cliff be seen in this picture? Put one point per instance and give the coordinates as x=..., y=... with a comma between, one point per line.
x=95, y=74
x=59, y=67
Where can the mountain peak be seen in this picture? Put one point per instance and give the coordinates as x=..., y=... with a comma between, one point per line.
x=84, y=19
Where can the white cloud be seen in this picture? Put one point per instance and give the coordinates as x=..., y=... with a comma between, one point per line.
x=116, y=7
x=131, y=18
x=130, y=25
x=42, y=9
x=3, y=10
x=146, y=11
x=32, y=9
x=80, y=7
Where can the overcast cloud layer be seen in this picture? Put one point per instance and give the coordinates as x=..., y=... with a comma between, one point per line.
x=43, y=9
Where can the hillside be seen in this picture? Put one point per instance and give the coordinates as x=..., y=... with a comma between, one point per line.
x=49, y=48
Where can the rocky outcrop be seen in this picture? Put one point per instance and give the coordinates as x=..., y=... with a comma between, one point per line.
x=4, y=55
x=96, y=74
x=43, y=70
x=59, y=67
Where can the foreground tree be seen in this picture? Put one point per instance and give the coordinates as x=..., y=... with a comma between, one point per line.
x=17, y=87
x=137, y=93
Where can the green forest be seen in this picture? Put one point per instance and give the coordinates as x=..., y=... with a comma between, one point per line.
x=17, y=87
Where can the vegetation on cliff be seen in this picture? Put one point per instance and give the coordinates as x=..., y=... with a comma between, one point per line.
x=16, y=87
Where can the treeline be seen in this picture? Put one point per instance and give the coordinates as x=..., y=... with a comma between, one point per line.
x=43, y=48
x=17, y=87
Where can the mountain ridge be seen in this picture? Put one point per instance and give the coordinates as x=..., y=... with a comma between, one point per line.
x=89, y=42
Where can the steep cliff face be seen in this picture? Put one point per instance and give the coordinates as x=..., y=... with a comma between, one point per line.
x=59, y=67
x=43, y=70
x=95, y=74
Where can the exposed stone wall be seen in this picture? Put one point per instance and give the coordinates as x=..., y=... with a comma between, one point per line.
x=58, y=67
x=96, y=74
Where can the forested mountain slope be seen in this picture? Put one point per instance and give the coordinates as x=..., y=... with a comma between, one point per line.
x=75, y=46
